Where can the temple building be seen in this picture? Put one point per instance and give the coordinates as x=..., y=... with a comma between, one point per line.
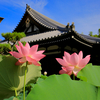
x=55, y=38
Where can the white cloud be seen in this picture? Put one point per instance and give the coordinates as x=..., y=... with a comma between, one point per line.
x=35, y=4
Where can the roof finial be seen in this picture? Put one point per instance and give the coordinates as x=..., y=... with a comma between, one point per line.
x=67, y=26
x=27, y=6
x=72, y=26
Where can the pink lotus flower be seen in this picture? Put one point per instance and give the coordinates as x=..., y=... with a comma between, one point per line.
x=25, y=53
x=72, y=64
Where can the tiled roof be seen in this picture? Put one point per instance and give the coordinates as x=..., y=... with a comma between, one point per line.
x=57, y=33
x=42, y=36
x=90, y=38
x=87, y=38
x=43, y=20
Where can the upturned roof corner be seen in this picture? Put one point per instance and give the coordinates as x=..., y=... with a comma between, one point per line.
x=27, y=7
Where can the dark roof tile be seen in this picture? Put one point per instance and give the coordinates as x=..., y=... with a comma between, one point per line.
x=45, y=21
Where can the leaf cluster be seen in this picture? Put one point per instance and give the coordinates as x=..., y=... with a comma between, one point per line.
x=96, y=35
x=12, y=76
x=13, y=37
x=62, y=87
x=5, y=48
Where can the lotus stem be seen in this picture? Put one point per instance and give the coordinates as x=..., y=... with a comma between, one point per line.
x=25, y=81
x=15, y=92
x=73, y=77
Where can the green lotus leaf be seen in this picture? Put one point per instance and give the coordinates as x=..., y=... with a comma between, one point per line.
x=61, y=87
x=98, y=94
x=12, y=76
x=12, y=98
x=91, y=74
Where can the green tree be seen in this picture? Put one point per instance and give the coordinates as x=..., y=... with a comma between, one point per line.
x=99, y=32
x=12, y=39
x=5, y=48
x=91, y=33
x=96, y=35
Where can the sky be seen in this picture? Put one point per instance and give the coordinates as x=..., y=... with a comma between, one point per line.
x=84, y=13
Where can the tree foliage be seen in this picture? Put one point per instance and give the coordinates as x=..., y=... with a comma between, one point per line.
x=12, y=39
x=96, y=35
x=5, y=48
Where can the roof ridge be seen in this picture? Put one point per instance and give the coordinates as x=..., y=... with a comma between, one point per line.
x=50, y=23
x=82, y=37
x=38, y=19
